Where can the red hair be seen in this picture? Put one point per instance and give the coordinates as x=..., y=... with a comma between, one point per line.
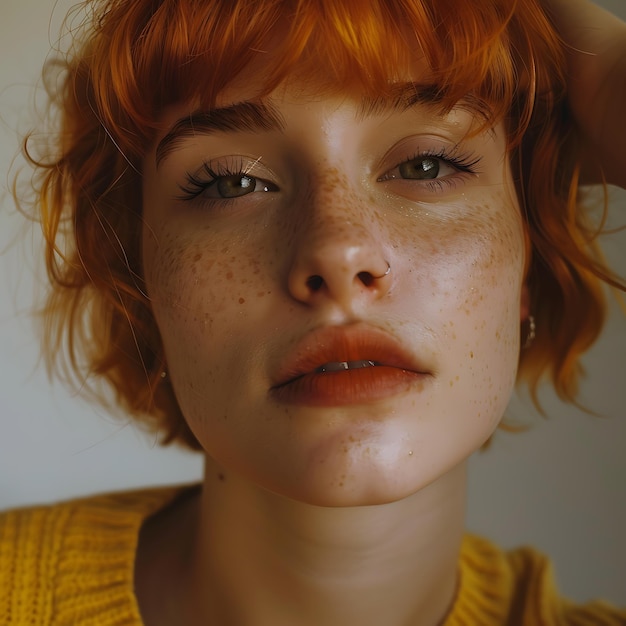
x=133, y=58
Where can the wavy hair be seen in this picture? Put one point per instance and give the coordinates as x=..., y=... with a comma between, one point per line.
x=130, y=59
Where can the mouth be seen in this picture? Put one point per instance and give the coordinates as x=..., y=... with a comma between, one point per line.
x=346, y=365
x=342, y=366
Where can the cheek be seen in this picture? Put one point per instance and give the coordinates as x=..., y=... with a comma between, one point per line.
x=495, y=274
x=491, y=316
x=195, y=278
x=470, y=273
x=472, y=262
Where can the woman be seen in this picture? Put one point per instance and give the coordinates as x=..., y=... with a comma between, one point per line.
x=316, y=243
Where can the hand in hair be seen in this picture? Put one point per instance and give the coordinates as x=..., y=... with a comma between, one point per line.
x=596, y=40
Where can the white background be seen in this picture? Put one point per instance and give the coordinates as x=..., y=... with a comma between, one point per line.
x=561, y=486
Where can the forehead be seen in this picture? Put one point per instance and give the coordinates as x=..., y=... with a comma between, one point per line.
x=234, y=113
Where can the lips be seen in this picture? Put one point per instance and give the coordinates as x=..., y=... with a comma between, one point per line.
x=343, y=365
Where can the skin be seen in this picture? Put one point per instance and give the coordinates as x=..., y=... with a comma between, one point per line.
x=334, y=494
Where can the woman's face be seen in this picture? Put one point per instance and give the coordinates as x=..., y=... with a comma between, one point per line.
x=300, y=363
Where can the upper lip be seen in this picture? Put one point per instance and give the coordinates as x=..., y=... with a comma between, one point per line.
x=333, y=344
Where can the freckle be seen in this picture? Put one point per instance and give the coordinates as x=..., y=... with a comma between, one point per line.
x=471, y=355
x=260, y=294
x=241, y=300
x=221, y=477
x=229, y=275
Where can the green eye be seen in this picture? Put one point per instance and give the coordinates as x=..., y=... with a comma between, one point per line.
x=235, y=186
x=423, y=168
x=224, y=186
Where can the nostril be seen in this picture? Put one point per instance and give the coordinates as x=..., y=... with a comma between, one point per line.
x=314, y=283
x=366, y=278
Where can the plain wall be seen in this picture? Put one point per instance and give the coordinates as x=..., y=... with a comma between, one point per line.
x=561, y=486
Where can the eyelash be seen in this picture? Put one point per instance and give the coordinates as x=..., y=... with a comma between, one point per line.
x=464, y=163
x=197, y=183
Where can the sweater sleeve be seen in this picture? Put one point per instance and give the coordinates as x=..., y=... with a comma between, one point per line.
x=537, y=601
x=595, y=613
x=29, y=560
x=72, y=564
x=517, y=588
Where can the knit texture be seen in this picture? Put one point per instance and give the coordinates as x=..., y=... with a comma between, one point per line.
x=72, y=565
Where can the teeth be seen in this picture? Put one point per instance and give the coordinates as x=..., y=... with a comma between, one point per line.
x=339, y=366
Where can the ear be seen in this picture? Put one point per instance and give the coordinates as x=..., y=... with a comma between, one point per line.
x=524, y=311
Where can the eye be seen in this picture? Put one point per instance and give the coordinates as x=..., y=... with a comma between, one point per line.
x=423, y=168
x=235, y=186
x=433, y=170
x=223, y=184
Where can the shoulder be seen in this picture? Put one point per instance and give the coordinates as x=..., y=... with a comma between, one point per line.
x=59, y=561
x=536, y=594
x=517, y=588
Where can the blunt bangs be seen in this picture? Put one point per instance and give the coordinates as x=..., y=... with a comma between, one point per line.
x=157, y=54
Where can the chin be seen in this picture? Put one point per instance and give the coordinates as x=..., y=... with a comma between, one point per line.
x=363, y=482
x=355, y=496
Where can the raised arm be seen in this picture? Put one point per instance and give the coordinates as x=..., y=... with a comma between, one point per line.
x=596, y=82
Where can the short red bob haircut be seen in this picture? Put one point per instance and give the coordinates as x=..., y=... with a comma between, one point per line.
x=130, y=59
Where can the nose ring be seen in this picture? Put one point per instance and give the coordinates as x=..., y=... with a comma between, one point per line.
x=387, y=272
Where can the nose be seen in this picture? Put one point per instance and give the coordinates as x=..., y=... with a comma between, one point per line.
x=340, y=260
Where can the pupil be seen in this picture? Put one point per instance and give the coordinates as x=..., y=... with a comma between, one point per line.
x=424, y=168
x=430, y=167
x=233, y=186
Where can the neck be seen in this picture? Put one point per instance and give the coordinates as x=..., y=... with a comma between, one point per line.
x=262, y=559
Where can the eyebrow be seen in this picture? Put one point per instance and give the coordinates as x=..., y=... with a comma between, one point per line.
x=262, y=116
x=404, y=96
x=250, y=117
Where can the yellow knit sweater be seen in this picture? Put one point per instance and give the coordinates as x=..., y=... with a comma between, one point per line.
x=72, y=564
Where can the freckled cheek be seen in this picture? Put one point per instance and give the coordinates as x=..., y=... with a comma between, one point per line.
x=496, y=271
x=193, y=282
x=491, y=314
x=475, y=277
x=470, y=271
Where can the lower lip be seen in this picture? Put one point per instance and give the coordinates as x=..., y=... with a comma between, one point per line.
x=349, y=387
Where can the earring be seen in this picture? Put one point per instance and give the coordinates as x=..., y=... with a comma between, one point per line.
x=530, y=337
x=163, y=375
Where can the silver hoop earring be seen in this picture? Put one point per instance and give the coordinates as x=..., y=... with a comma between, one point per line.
x=530, y=337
